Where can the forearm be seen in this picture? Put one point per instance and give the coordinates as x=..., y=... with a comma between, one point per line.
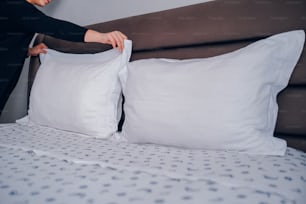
x=33, y=20
x=61, y=29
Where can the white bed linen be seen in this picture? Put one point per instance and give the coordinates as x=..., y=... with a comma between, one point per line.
x=39, y=165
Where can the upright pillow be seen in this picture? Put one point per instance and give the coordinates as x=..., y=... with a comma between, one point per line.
x=79, y=92
x=227, y=102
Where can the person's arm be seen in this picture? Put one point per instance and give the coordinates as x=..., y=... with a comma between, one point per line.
x=34, y=20
x=90, y=36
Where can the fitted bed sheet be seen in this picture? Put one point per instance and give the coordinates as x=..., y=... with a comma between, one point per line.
x=45, y=165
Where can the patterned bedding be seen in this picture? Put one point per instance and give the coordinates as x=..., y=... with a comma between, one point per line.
x=44, y=165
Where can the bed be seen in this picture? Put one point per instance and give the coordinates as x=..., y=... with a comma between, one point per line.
x=46, y=165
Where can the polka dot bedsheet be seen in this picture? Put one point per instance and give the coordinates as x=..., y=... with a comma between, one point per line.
x=43, y=165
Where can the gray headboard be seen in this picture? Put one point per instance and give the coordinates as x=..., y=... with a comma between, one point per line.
x=210, y=29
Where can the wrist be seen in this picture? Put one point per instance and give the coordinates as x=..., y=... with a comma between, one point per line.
x=94, y=36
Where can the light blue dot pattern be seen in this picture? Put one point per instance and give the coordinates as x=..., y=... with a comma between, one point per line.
x=43, y=165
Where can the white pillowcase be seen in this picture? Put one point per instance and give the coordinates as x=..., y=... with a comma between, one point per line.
x=79, y=92
x=226, y=102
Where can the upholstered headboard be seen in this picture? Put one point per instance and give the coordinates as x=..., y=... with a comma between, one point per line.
x=210, y=29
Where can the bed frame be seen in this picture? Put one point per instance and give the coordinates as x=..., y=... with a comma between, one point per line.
x=209, y=29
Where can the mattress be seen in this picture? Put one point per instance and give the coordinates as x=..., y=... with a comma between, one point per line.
x=45, y=165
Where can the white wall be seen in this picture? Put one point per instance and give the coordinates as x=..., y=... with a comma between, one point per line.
x=85, y=12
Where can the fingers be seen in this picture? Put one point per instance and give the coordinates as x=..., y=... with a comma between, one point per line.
x=38, y=49
x=111, y=40
x=116, y=39
x=42, y=48
x=120, y=37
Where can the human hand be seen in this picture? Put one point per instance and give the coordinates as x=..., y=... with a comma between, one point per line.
x=36, y=50
x=114, y=38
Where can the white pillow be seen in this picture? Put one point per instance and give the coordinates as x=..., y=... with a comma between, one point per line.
x=79, y=92
x=226, y=102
